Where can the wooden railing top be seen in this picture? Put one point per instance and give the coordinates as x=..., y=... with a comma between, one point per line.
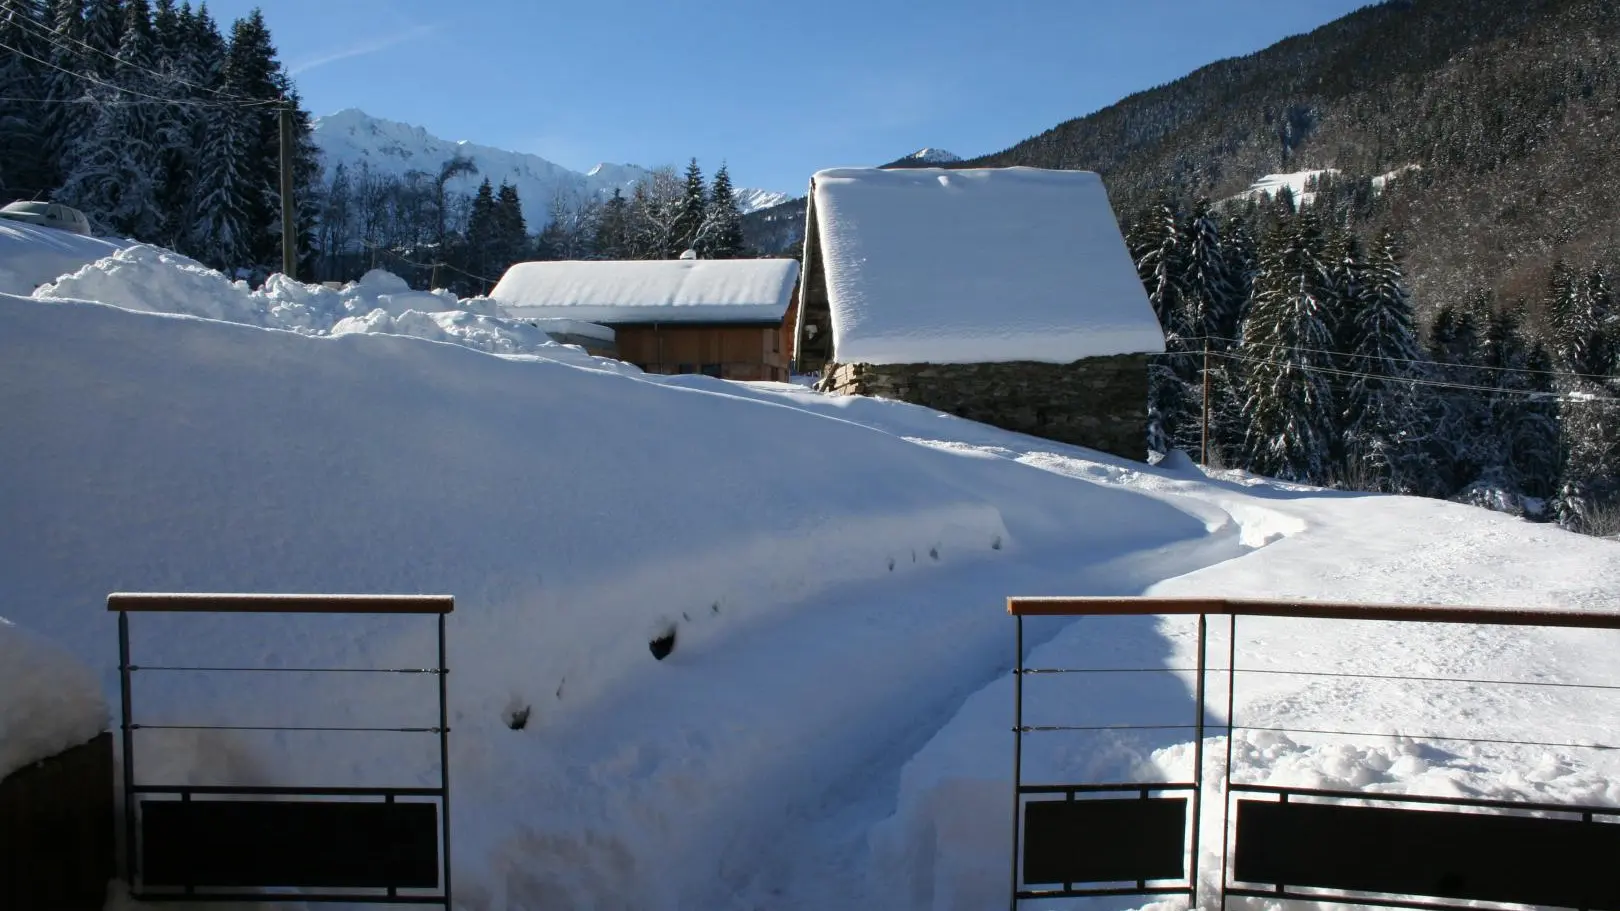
x=277, y=604
x=1321, y=610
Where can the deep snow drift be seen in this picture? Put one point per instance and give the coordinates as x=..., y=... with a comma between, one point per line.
x=31, y=255
x=831, y=729
x=147, y=278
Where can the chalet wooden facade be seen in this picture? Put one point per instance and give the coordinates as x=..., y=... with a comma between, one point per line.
x=731, y=319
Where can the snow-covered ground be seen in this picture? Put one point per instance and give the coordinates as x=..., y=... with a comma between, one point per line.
x=1273, y=184
x=831, y=730
x=49, y=700
x=31, y=255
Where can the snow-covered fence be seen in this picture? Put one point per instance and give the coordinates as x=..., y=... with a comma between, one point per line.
x=56, y=822
x=1474, y=801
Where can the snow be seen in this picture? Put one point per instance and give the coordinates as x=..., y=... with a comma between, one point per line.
x=1272, y=184
x=147, y=278
x=31, y=255
x=932, y=156
x=1382, y=180
x=351, y=137
x=1295, y=181
x=831, y=730
x=938, y=266
x=663, y=291
x=49, y=700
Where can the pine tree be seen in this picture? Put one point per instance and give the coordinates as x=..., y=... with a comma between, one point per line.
x=116, y=165
x=251, y=72
x=174, y=124
x=689, y=217
x=724, y=236
x=1461, y=445
x=1158, y=248
x=65, y=118
x=24, y=170
x=1589, y=486
x=513, y=232
x=1211, y=298
x=1286, y=340
x=104, y=24
x=613, y=230
x=1383, y=445
x=482, y=231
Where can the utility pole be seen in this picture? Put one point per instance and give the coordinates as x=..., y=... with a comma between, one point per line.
x=289, y=229
x=1204, y=460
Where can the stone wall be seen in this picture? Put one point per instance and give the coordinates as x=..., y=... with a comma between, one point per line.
x=1100, y=402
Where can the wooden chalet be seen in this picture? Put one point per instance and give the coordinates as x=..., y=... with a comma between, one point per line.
x=726, y=318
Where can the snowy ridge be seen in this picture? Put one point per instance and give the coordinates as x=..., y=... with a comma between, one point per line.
x=352, y=136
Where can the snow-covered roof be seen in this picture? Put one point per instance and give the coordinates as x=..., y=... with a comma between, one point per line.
x=929, y=265
x=650, y=291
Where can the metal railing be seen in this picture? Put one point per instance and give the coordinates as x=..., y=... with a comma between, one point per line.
x=381, y=845
x=1310, y=844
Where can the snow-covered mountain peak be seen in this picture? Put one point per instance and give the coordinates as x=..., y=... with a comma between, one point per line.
x=932, y=156
x=352, y=137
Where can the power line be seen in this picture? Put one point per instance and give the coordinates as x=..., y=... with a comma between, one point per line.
x=120, y=102
x=1437, y=384
x=107, y=85
x=440, y=264
x=43, y=31
x=1557, y=374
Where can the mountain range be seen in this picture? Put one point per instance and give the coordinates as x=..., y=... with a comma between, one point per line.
x=352, y=137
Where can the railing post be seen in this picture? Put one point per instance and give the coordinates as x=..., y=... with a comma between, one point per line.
x=1018, y=756
x=1198, y=758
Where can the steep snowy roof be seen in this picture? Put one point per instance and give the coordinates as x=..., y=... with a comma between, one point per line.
x=661, y=291
x=942, y=266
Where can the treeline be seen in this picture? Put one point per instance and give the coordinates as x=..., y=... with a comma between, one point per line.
x=414, y=226
x=154, y=124
x=1303, y=332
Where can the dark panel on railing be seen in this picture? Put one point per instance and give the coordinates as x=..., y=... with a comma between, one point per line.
x=1102, y=841
x=1442, y=854
x=56, y=829
x=313, y=844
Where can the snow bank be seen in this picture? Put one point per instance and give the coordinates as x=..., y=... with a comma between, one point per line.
x=575, y=514
x=49, y=701
x=31, y=255
x=482, y=333
x=664, y=291
x=940, y=266
x=146, y=278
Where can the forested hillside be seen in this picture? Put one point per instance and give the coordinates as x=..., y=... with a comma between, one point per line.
x=1508, y=106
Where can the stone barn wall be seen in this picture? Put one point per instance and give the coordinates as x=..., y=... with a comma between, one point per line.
x=1100, y=402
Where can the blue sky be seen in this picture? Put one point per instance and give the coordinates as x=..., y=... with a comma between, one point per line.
x=778, y=90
